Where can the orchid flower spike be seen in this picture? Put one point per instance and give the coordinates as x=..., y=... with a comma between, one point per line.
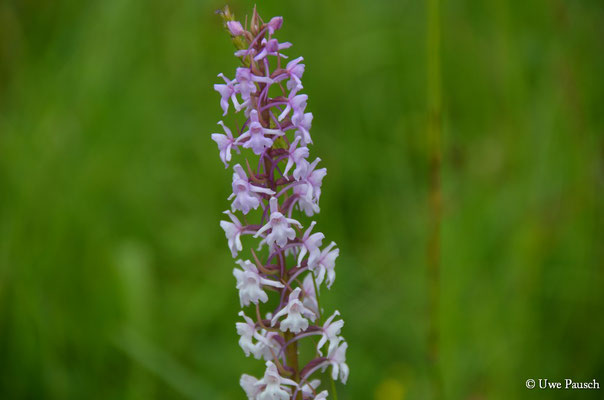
x=282, y=280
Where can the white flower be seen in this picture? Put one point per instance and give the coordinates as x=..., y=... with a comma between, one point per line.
x=256, y=135
x=295, y=102
x=246, y=330
x=246, y=194
x=322, y=395
x=337, y=360
x=304, y=197
x=310, y=245
x=296, y=155
x=268, y=346
x=326, y=263
x=233, y=231
x=303, y=125
x=246, y=82
x=295, y=310
x=248, y=384
x=225, y=143
x=314, y=177
x=293, y=72
x=308, y=389
x=272, y=382
x=249, y=283
x=330, y=332
x=279, y=225
x=227, y=90
x=272, y=47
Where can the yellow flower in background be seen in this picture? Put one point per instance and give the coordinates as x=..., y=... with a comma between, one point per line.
x=390, y=389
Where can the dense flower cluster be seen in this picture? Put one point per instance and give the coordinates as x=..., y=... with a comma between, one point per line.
x=276, y=130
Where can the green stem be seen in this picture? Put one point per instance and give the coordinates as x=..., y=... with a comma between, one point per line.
x=333, y=388
x=434, y=130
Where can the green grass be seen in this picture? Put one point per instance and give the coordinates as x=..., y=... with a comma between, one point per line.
x=115, y=278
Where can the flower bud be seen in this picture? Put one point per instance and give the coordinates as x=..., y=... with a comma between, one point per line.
x=275, y=24
x=235, y=28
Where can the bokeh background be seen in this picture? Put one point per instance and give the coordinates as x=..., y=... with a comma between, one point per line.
x=115, y=278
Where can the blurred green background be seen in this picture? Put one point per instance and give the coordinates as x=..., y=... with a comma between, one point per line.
x=115, y=278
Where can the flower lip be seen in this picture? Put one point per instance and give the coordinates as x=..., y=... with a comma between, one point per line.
x=272, y=45
x=252, y=280
x=239, y=187
x=256, y=128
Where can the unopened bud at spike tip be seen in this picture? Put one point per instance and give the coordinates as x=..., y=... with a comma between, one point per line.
x=235, y=28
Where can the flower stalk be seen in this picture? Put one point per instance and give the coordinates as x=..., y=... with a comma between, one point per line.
x=434, y=128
